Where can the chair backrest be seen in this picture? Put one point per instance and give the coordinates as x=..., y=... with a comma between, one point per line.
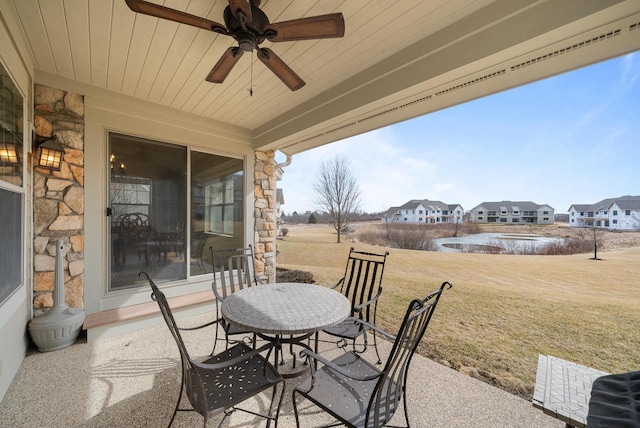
x=391, y=384
x=193, y=385
x=134, y=227
x=233, y=270
x=363, y=280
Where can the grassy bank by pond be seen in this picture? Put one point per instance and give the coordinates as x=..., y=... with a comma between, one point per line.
x=503, y=310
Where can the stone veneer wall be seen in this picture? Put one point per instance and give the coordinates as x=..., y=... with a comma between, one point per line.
x=58, y=198
x=265, y=216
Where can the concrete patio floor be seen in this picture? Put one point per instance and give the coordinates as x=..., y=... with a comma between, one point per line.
x=132, y=380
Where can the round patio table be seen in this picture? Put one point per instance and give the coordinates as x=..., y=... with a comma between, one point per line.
x=285, y=308
x=286, y=313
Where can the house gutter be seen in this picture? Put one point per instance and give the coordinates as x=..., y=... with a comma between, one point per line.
x=287, y=162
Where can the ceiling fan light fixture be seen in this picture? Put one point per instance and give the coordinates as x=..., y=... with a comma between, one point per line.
x=247, y=41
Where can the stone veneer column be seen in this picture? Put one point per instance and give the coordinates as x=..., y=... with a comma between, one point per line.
x=265, y=215
x=58, y=198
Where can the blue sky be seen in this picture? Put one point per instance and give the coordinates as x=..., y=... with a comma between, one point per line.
x=572, y=138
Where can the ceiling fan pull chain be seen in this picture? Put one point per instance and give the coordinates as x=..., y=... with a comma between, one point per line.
x=251, y=82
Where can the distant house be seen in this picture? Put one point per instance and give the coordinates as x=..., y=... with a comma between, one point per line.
x=621, y=213
x=424, y=211
x=509, y=212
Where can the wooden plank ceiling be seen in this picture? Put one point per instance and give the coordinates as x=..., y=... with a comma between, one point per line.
x=103, y=43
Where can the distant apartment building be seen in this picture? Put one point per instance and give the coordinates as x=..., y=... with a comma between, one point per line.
x=621, y=213
x=509, y=212
x=424, y=211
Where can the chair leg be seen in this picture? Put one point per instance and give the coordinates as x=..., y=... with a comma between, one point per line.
x=404, y=404
x=215, y=340
x=175, y=411
x=295, y=408
x=273, y=396
x=375, y=346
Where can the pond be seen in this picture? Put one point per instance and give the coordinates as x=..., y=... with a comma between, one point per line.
x=494, y=243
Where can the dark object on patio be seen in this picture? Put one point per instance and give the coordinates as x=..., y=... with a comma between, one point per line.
x=233, y=270
x=356, y=392
x=362, y=278
x=222, y=381
x=615, y=401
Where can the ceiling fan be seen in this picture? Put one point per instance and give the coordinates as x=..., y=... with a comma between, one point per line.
x=245, y=22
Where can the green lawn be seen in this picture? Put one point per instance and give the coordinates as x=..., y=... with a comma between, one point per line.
x=503, y=310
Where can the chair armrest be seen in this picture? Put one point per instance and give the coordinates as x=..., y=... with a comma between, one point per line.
x=338, y=284
x=368, y=325
x=368, y=302
x=216, y=293
x=199, y=326
x=313, y=356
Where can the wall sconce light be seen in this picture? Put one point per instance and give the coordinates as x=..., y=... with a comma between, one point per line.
x=9, y=152
x=48, y=153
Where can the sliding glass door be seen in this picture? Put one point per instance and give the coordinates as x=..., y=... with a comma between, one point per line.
x=149, y=210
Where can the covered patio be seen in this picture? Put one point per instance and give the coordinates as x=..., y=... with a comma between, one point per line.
x=133, y=380
x=143, y=132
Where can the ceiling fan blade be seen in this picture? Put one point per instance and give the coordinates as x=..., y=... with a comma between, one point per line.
x=280, y=69
x=158, y=11
x=314, y=27
x=224, y=65
x=243, y=6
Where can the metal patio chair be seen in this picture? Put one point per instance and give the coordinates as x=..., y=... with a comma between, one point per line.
x=356, y=392
x=222, y=381
x=233, y=270
x=362, y=285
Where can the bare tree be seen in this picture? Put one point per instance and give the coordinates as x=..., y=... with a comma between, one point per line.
x=591, y=232
x=338, y=194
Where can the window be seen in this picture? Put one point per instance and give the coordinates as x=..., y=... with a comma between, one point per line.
x=152, y=202
x=11, y=248
x=573, y=213
x=515, y=220
x=627, y=212
x=615, y=221
x=420, y=212
x=503, y=220
x=615, y=212
x=11, y=186
x=11, y=123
